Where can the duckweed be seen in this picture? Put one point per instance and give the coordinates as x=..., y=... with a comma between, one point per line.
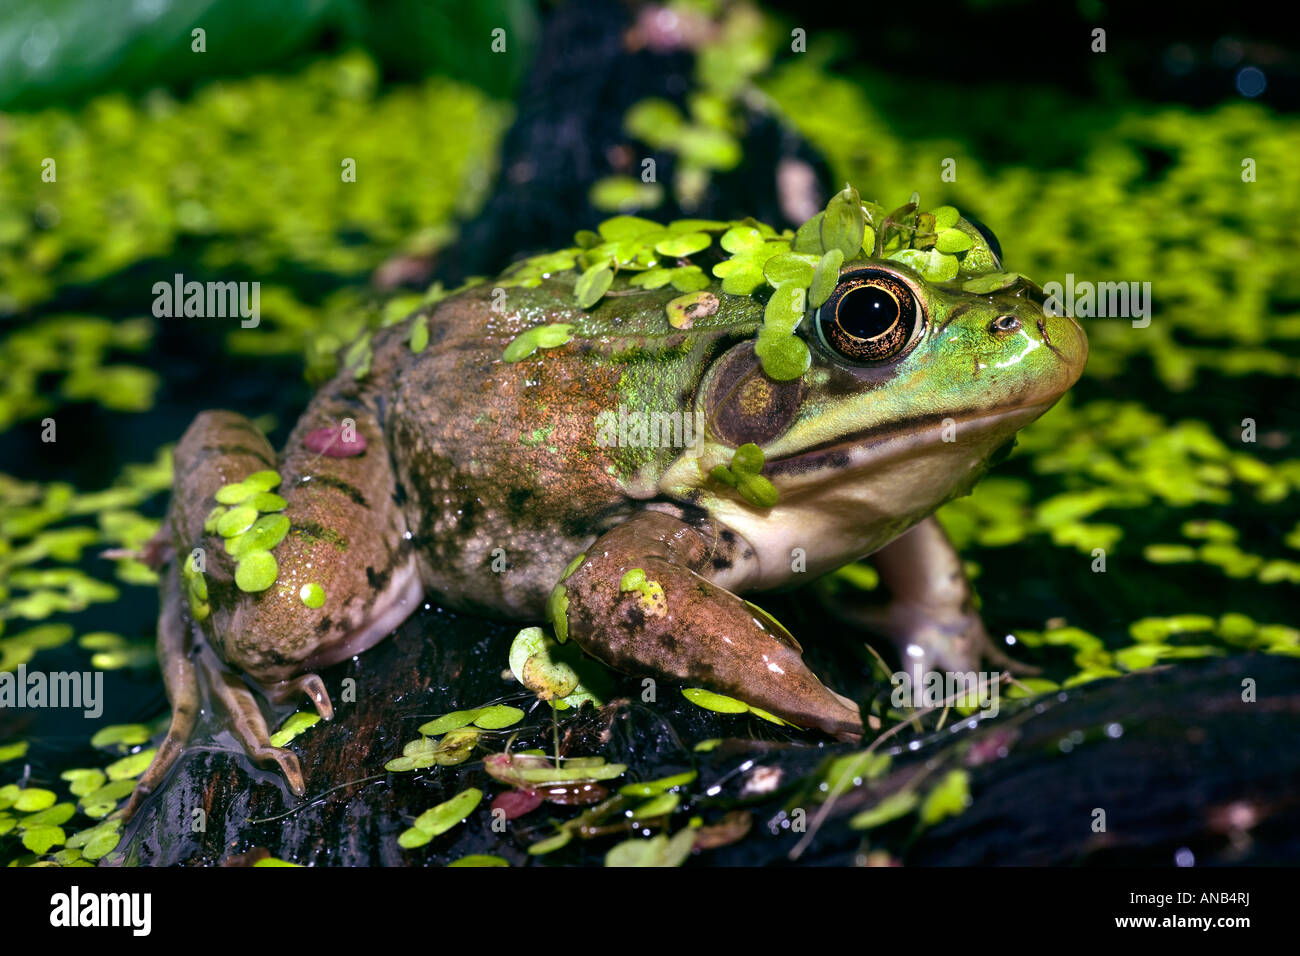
x=312, y=595
x=438, y=820
x=294, y=725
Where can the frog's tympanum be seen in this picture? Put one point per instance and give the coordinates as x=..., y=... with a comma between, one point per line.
x=623, y=438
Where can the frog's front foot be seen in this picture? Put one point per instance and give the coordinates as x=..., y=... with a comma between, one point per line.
x=188, y=672
x=641, y=600
x=931, y=616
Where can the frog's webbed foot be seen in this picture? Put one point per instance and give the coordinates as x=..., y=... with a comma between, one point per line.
x=247, y=722
x=186, y=672
x=642, y=602
x=931, y=614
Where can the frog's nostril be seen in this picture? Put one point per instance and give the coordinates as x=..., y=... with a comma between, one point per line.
x=1004, y=324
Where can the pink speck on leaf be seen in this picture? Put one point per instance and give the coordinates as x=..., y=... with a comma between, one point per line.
x=335, y=441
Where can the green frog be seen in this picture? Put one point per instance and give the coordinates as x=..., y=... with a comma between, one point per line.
x=505, y=449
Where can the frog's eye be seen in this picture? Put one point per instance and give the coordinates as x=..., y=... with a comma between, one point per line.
x=872, y=316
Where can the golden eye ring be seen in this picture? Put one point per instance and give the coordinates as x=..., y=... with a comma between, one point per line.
x=871, y=317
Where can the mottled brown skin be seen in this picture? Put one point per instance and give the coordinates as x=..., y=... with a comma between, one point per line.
x=483, y=479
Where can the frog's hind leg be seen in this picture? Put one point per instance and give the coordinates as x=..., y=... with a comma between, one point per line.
x=930, y=616
x=642, y=602
x=247, y=722
x=182, y=685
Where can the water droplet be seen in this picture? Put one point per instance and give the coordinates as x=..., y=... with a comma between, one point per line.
x=1184, y=857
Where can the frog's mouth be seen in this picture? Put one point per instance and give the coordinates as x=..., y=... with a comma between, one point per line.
x=908, y=438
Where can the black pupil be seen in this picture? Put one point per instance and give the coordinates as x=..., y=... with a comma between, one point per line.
x=867, y=311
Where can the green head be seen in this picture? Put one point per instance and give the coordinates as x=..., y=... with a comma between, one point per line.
x=913, y=383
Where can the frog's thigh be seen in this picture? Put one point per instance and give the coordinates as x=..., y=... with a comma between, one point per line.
x=931, y=614
x=642, y=602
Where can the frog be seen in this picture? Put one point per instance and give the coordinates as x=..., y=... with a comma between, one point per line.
x=477, y=452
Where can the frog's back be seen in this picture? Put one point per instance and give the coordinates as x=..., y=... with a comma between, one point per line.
x=510, y=468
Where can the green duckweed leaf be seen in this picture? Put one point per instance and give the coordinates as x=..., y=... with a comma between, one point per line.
x=121, y=736
x=662, y=805
x=551, y=844
x=825, y=277
x=622, y=228
x=526, y=772
x=808, y=237
x=990, y=283
x=844, y=224
x=945, y=217
x=13, y=751
x=651, y=788
x=263, y=535
x=128, y=768
x=791, y=268
x=256, y=571
x=265, y=480
x=41, y=839
x=498, y=717
x=479, y=859
x=312, y=594
x=265, y=501
x=592, y=285
x=933, y=265
x=54, y=816
x=452, y=721
x=741, y=239
x=438, y=820
x=659, y=850
x=682, y=244
x=784, y=357
x=534, y=663
x=31, y=799
x=784, y=311
x=951, y=241
x=236, y=521
x=235, y=493
x=293, y=726
x=419, y=333
x=102, y=843
x=715, y=702
x=890, y=808
x=82, y=782
x=949, y=797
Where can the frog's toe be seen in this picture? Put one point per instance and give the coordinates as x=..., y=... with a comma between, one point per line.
x=931, y=639
x=247, y=722
x=309, y=685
